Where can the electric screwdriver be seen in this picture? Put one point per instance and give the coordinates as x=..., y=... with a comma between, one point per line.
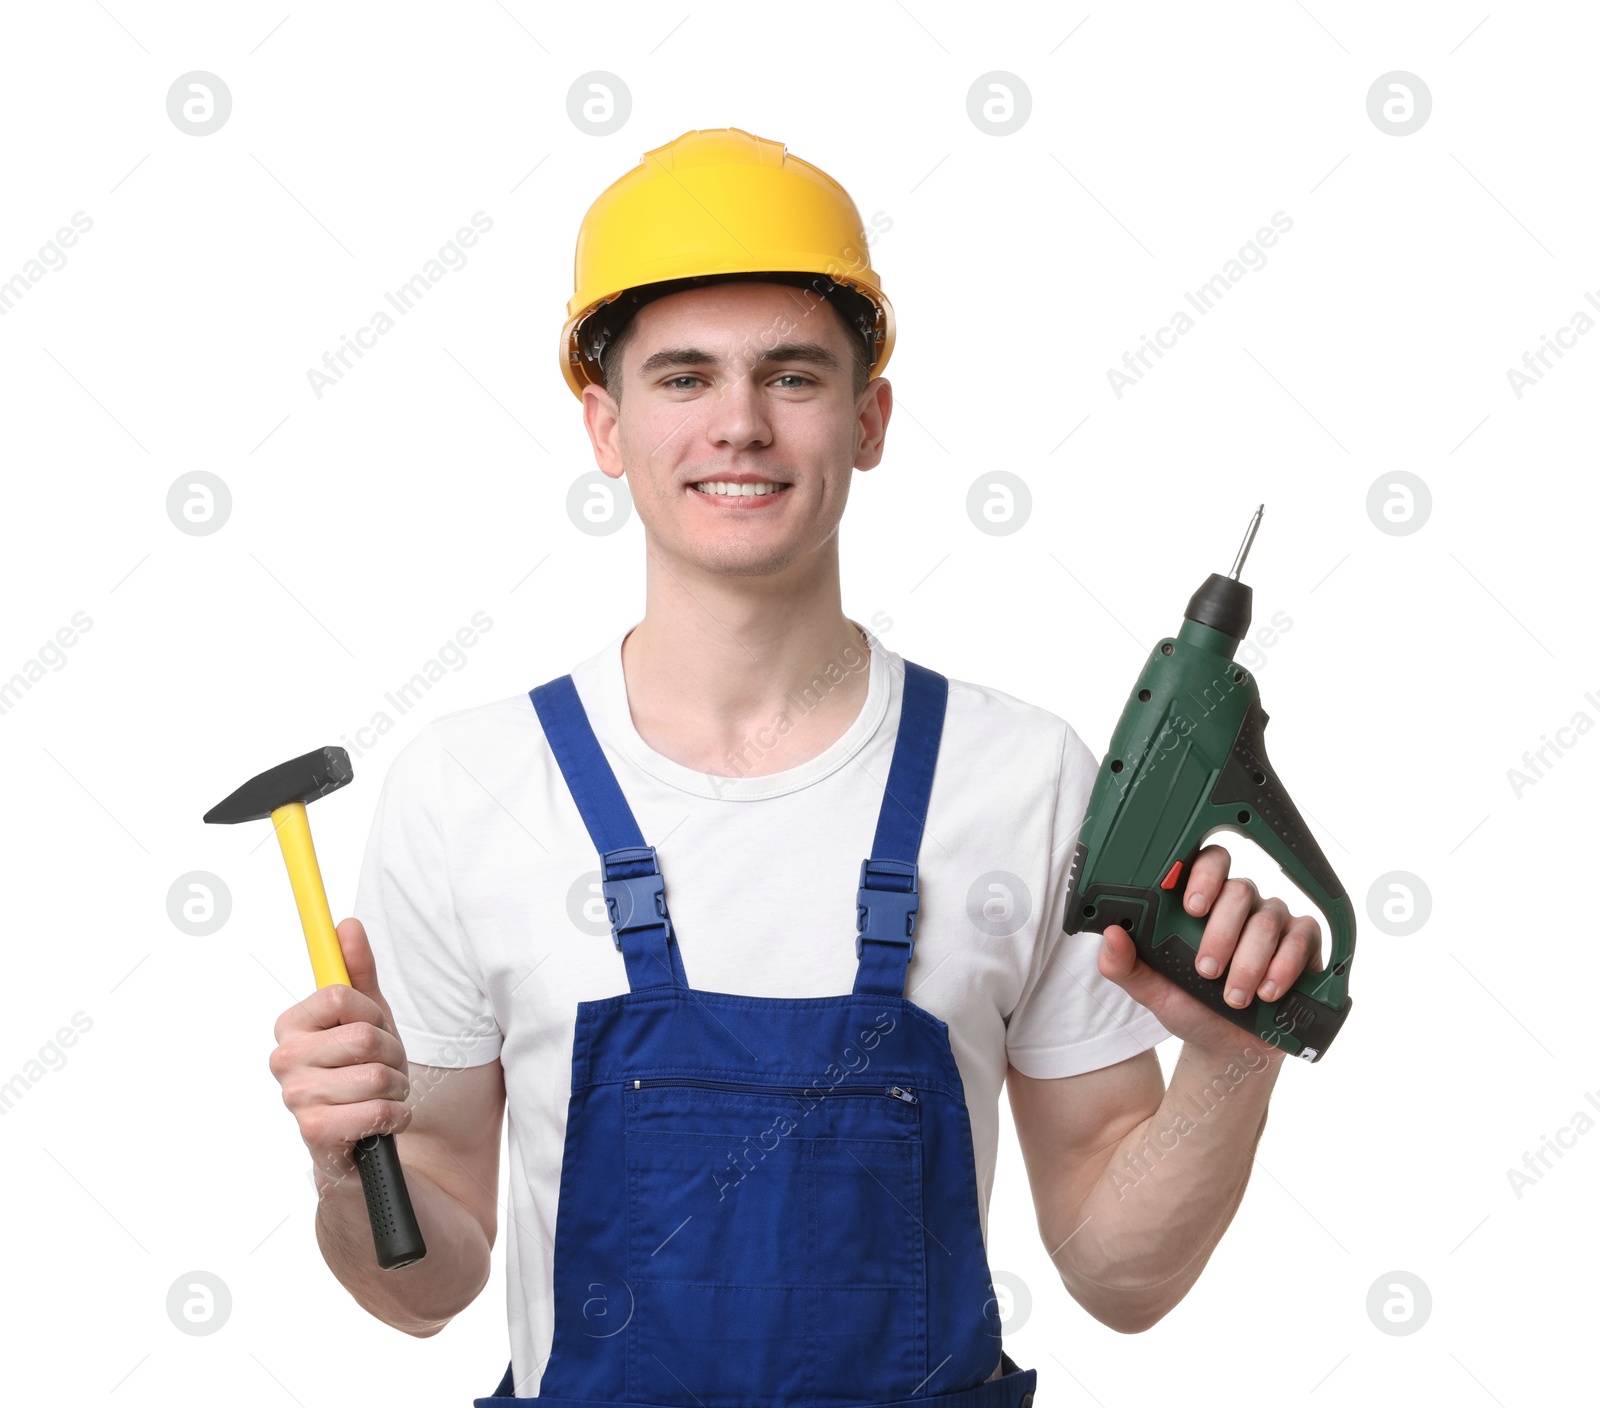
x=1186, y=759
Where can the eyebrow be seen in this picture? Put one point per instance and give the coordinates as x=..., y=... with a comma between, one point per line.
x=813, y=353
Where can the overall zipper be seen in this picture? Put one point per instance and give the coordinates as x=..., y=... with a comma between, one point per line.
x=899, y=1092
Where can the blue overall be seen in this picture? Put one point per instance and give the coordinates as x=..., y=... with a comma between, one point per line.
x=766, y=1202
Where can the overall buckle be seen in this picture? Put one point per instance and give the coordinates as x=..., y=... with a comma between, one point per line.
x=637, y=901
x=886, y=914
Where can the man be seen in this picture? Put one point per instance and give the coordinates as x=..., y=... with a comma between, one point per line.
x=726, y=340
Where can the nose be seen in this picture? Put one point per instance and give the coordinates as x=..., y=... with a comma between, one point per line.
x=736, y=414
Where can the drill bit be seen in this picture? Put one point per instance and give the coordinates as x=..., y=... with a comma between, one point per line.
x=1244, y=547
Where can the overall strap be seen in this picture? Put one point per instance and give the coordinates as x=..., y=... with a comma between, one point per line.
x=630, y=877
x=886, y=902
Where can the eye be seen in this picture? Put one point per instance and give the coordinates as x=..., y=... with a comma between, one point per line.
x=682, y=376
x=793, y=376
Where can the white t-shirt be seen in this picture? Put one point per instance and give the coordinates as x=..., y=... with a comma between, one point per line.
x=480, y=893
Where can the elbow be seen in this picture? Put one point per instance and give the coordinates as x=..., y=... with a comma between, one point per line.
x=417, y=1326
x=424, y=1331
x=1128, y=1323
x=1125, y=1313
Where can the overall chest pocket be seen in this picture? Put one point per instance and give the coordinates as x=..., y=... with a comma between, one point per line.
x=775, y=1242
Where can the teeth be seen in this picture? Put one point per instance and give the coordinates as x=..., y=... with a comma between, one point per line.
x=712, y=486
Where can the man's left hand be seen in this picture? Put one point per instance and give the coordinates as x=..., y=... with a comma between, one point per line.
x=1261, y=947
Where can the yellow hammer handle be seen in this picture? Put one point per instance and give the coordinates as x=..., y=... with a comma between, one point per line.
x=294, y=836
x=396, y=1237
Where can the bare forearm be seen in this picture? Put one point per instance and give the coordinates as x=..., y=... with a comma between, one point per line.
x=421, y=1298
x=1169, y=1189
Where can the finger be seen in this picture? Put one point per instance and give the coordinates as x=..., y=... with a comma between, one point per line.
x=1234, y=903
x=1258, y=942
x=349, y=1044
x=344, y=1085
x=1299, y=948
x=332, y=1006
x=360, y=964
x=327, y=1126
x=1206, y=877
x=1120, y=962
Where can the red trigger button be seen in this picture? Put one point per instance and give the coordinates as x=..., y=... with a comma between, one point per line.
x=1172, y=875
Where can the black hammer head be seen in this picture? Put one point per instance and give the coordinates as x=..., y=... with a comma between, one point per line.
x=302, y=779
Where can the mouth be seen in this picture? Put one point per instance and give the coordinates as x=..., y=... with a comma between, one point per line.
x=740, y=496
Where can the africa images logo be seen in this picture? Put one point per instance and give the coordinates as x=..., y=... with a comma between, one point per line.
x=1252, y=258
x=451, y=255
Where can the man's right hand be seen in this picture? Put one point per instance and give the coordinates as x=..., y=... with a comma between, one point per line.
x=341, y=1063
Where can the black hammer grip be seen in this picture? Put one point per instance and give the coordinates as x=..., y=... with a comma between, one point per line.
x=395, y=1235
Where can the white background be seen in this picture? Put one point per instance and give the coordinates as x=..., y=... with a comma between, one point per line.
x=369, y=525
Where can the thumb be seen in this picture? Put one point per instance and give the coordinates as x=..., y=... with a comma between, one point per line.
x=1120, y=962
x=361, y=965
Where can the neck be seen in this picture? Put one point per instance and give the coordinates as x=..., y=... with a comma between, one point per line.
x=742, y=676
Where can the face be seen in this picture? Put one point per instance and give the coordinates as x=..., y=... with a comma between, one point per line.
x=738, y=381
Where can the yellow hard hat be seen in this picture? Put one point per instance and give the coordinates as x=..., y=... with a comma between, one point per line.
x=714, y=203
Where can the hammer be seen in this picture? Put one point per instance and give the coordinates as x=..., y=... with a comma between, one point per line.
x=282, y=793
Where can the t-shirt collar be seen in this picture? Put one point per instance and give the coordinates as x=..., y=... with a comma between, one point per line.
x=602, y=688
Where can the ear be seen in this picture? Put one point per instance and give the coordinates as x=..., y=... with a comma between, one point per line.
x=872, y=421
x=602, y=421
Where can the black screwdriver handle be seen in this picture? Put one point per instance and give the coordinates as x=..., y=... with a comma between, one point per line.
x=395, y=1235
